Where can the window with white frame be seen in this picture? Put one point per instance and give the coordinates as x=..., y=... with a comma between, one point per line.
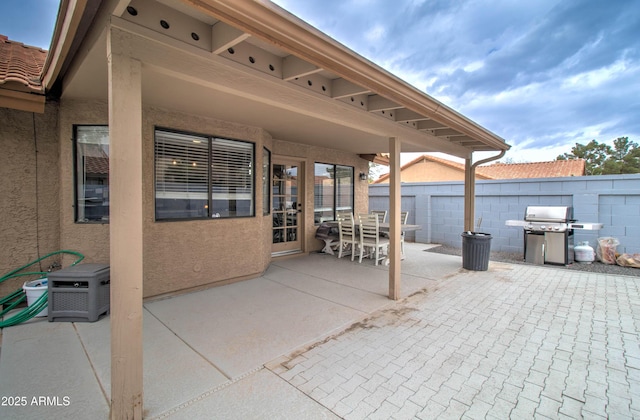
x=91, y=162
x=202, y=177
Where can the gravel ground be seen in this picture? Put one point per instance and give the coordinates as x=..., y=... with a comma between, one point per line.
x=516, y=258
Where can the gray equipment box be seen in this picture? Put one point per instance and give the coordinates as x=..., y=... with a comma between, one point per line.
x=79, y=293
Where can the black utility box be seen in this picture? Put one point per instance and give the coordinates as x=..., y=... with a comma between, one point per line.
x=79, y=293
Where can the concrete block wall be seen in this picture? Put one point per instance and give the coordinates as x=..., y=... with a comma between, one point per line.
x=613, y=200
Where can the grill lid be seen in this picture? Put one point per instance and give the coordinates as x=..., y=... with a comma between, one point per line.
x=560, y=214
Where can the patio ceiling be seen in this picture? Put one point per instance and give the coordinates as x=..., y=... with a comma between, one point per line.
x=256, y=64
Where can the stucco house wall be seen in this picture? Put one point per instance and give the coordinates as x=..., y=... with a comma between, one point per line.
x=29, y=222
x=433, y=171
x=181, y=255
x=38, y=200
x=428, y=170
x=91, y=239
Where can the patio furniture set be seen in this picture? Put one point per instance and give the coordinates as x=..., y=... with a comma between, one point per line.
x=366, y=237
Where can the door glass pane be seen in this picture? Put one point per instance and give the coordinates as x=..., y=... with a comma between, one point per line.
x=266, y=175
x=285, y=203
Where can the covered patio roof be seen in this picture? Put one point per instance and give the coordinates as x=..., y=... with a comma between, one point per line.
x=256, y=64
x=247, y=62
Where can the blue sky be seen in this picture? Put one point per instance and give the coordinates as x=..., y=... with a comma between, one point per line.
x=29, y=21
x=542, y=74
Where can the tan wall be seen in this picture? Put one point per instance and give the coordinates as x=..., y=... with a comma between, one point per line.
x=427, y=171
x=29, y=223
x=186, y=254
x=181, y=254
x=90, y=239
x=431, y=171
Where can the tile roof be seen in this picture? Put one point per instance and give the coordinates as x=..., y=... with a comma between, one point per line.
x=96, y=165
x=21, y=64
x=551, y=169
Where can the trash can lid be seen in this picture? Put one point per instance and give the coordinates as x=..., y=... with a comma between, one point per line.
x=469, y=234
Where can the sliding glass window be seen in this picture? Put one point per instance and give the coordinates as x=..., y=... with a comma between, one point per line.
x=333, y=191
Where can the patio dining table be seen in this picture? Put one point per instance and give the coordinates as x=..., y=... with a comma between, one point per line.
x=331, y=241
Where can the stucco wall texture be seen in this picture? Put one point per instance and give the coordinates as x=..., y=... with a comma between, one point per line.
x=38, y=201
x=29, y=208
x=430, y=171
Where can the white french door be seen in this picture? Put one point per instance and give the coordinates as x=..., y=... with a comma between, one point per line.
x=287, y=206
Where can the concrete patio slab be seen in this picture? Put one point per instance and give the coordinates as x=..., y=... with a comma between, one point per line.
x=428, y=265
x=44, y=373
x=332, y=290
x=240, y=326
x=516, y=341
x=262, y=395
x=173, y=371
x=365, y=276
x=198, y=342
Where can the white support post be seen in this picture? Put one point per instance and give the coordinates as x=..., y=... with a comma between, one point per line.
x=395, y=198
x=125, y=227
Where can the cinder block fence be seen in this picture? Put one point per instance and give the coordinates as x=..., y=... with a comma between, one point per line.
x=613, y=200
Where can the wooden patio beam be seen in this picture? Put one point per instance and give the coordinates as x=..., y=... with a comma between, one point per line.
x=469, y=194
x=395, y=198
x=125, y=227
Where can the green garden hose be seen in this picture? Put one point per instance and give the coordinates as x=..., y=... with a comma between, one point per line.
x=14, y=299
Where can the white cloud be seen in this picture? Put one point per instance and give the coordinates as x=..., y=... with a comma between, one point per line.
x=473, y=66
x=375, y=34
x=596, y=78
x=543, y=75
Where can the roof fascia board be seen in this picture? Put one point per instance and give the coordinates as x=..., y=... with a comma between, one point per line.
x=95, y=34
x=22, y=101
x=72, y=42
x=69, y=17
x=272, y=24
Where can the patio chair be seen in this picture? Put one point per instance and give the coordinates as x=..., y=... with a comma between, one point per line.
x=370, y=238
x=343, y=213
x=347, y=234
x=404, y=216
x=382, y=218
x=382, y=215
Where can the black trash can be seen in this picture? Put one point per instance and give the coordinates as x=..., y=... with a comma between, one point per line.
x=476, y=248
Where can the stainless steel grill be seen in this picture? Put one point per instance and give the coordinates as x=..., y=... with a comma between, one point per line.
x=548, y=234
